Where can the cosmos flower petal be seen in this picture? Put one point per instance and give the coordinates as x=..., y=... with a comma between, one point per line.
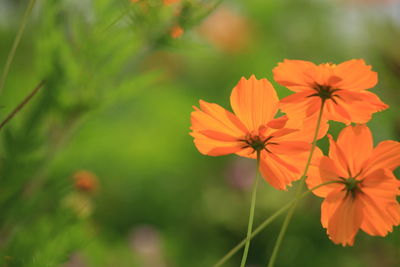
x=336, y=112
x=385, y=155
x=337, y=155
x=216, y=130
x=213, y=147
x=297, y=75
x=254, y=102
x=278, y=123
x=295, y=106
x=306, y=128
x=330, y=204
x=356, y=144
x=345, y=219
x=281, y=170
x=289, y=147
x=379, y=216
x=359, y=105
x=322, y=171
x=381, y=184
x=355, y=75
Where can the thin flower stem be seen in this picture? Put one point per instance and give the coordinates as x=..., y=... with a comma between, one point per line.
x=252, y=207
x=299, y=190
x=266, y=223
x=22, y=104
x=116, y=20
x=17, y=39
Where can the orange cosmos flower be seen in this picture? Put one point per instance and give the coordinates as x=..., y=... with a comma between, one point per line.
x=176, y=31
x=169, y=2
x=366, y=189
x=342, y=87
x=85, y=181
x=283, y=149
x=227, y=30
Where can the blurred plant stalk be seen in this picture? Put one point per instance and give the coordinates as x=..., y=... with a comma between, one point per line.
x=82, y=61
x=15, y=44
x=22, y=104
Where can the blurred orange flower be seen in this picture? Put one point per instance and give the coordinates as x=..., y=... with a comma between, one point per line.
x=283, y=149
x=226, y=30
x=176, y=31
x=85, y=181
x=169, y=2
x=342, y=87
x=366, y=189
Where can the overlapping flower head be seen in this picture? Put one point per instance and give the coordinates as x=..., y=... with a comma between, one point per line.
x=363, y=195
x=252, y=129
x=342, y=88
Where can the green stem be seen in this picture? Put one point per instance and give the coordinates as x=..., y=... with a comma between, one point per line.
x=299, y=190
x=265, y=224
x=252, y=207
x=22, y=104
x=116, y=20
x=17, y=39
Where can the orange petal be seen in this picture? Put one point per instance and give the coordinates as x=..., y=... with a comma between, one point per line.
x=381, y=184
x=216, y=131
x=359, y=105
x=385, y=155
x=307, y=127
x=338, y=157
x=214, y=117
x=336, y=112
x=344, y=214
x=329, y=205
x=278, y=123
x=299, y=105
x=278, y=135
x=356, y=143
x=289, y=147
x=213, y=147
x=297, y=75
x=373, y=224
x=324, y=172
x=280, y=171
x=355, y=75
x=254, y=102
x=380, y=213
x=324, y=74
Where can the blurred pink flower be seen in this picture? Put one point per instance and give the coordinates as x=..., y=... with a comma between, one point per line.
x=76, y=260
x=240, y=174
x=146, y=243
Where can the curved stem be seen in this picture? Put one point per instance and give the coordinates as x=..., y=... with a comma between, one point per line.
x=299, y=190
x=266, y=223
x=15, y=44
x=252, y=207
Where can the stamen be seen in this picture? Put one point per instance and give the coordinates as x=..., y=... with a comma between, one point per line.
x=256, y=143
x=325, y=92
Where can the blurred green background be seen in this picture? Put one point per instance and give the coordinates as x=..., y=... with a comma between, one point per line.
x=99, y=169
